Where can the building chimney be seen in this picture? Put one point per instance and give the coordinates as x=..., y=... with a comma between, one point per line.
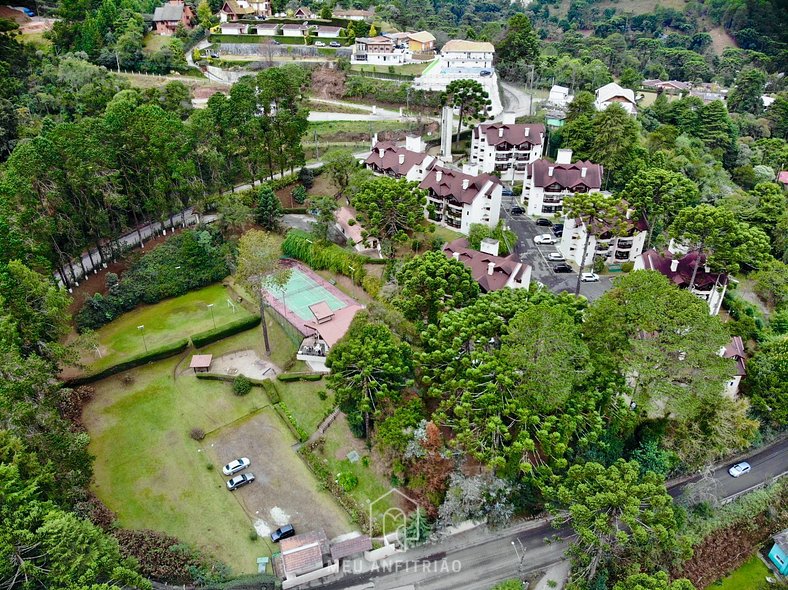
x=438, y=175
x=414, y=143
x=456, y=255
x=489, y=246
x=490, y=268
x=500, y=131
x=550, y=171
x=674, y=265
x=527, y=131
x=465, y=183
x=374, y=141
x=564, y=157
x=508, y=118
x=381, y=152
x=402, y=159
x=583, y=171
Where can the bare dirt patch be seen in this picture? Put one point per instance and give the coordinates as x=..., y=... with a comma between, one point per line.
x=242, y=362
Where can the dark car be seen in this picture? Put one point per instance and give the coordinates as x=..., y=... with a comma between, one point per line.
x=240, y=481
x=485, y=73
x=544, y=221
x=275, y=42
x=335, y=44
x=562, y=268
x=558, y=227
x=506, y=192
x=283, y=532
x=517, y=210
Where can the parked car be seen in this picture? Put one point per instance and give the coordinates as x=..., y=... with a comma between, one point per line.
x=544, y=221
x=283, y=532
x=335, y=44
x=214, y=55
x=234, y=467
x=275, y=42
x=558, y=234
x=555, y=257
x=558, y=268
x=485, y=73
x=544, y=239
x=740, y=469
x=239, y=481
x=506, y=191
x=319, y=44
x=589, y=277
x=516, y=210
x=558, y=227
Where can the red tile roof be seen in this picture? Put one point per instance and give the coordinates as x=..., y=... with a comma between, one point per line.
x=653, y=260
x=390, y=161
x=512, y=134
x=567, y=176
x=478, y=263
x=201, y=361
x=304, y=553
x=735, y=350
x=350, y=547
x=451, y=181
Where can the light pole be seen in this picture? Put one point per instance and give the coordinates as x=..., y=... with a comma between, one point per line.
x=142, y=331
x=210, y=306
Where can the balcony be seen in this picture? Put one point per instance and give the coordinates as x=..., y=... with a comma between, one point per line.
x=553, y=200
x=621, y=255
x=624, y=244
x=312, y=349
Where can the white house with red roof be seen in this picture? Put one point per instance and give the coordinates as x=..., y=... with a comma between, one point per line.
x=458, y=199
x=409, y=161
x=547, y=182
x=735, y=350
x=491, y=271
x=507, y=147
x=610, y=93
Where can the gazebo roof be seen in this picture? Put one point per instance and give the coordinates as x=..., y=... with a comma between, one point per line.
x=321, y=311
x=201, y=361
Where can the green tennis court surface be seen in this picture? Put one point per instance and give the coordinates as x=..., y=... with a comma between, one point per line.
x=302, y=291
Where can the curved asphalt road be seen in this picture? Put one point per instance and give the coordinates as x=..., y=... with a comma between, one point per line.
x=479, y=558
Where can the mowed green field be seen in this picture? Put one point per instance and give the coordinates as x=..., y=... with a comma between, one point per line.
x=164, y=322
x=750, y=576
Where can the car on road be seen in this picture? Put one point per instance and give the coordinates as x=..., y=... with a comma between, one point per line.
x=234, y=467
x=239, y=481
x=560, y=268
x=506, y=191
x=544, y=221
x=335, y=44
x=740, y=469
x=589, y=277
x=555, y=257
x=544, y=239
x=283, y=532
x=558, y=227
x=517, y=210
x=275, y=42
x=214, y=55
x=485, y=73
x=319, y=44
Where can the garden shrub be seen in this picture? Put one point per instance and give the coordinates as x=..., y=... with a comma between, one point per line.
x=306, y=177
x=628, y=266
x=241, y=385
x=347, y=481
x=322, y=395
x=289, y=377
x=372, y=285
x=299, y=245
x=197, y=433
x=299, y=194
x=209, y=336
x=271, y=391
x=297, y=430
x=186, y=261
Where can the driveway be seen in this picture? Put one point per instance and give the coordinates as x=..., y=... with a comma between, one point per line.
x=536, y=256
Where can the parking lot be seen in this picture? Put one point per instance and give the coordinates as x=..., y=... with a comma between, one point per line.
x=536, y=255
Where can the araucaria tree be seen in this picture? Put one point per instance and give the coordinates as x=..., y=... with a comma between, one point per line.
x=620, y=517
x=268, y=209
x=369, y=368
x=519, y=47
x=469, y=98
x=431, y=284
x=390, y=209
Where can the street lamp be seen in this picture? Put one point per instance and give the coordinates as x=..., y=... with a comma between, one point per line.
x=142, y=331
x=210, y=306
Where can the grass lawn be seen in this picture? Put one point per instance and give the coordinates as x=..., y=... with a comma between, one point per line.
x=302, y=400
x=35, y=39
x=749, y=576
x=404, y=70
x=152, y=43
x=334, y=131
x=445, y=233
x=164, y=322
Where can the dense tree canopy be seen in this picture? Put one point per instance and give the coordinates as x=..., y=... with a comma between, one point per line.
x=390, y=209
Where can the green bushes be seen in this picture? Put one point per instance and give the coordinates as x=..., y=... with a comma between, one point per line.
x=359, y=86
x=289, y=377
x=627, y=267
x=299, y=245
x=242, y=385
x=185, y=262
x=209, y=336
x=271, y=391
x=292, y=423
x=144, y=358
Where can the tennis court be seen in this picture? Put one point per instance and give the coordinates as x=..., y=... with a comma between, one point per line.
x=302, y=291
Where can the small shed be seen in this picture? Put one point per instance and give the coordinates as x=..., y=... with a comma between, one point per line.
x=322, y=312
x=779, y=552
x=201, y=363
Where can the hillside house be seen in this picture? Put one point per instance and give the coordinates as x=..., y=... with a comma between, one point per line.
x=735, y=351
x=409, y=162
x=294, y=30
x=491, y=271
x=377, y=50
x=167, y=18
x=547, y=182
x=233, y=10
x=610, y=93
x=326, y=32
x=506, y=147
x=304, y=13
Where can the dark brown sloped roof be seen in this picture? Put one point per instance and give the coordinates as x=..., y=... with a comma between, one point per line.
x=451, y=181
x=350, y=547
x=567, y=176
x=681, y=277
x=478, y=263
x=512, y=134
x=735, y=350
x=390, y=160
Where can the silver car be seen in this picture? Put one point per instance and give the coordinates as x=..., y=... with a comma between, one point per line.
x=740, y=469
x=239, y=481
x=234, y=467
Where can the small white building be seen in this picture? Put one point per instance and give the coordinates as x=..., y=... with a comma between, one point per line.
x=613, y=249
x=678, y=268
x=610, y=93
x=293, y=30
x=459, y=53
x=233, y=28
x=559, y=96
x=409, y=162
x=267, y=29
x=507, y=147
x=377, y=50
x=735, y=351
x=549, y=182
x=458, y=199
x=327, y=32
x=491, y=271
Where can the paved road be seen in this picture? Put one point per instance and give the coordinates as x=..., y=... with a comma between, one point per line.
x=536, y=256
x=515, y=100
x=479, y=558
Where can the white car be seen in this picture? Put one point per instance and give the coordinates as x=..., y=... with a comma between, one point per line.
x=589, y=277
x=319, y=44
x=555, y=257
x=544, y=239
x=234, y=467
x=739, y=469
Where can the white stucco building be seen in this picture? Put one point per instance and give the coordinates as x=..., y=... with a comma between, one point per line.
x=458, y=199
x=559, y=96
x=378, y=50
x=549, y=182
x=507, y=147
x=409, y=161
x=603, y=242
x=610, y=93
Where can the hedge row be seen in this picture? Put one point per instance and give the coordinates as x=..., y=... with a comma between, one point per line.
x=272, y=391
x=302, y=210
x=358, y=513
x=287, y=377
x=209, y=336
x=230, y=378
x=297, y=430
x=144, y=358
